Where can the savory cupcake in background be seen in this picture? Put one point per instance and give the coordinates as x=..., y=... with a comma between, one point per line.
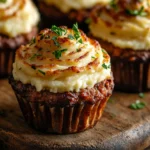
x=67, y=11
x=62, y=80
x=18, y=24
x=123, y=29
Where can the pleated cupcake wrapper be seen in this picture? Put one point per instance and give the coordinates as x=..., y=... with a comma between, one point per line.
x=6, y=61
x=61, y=120
x=131, y=76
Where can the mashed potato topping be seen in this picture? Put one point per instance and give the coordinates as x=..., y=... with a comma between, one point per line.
x=61, y=59
x=66, y=5
x=17, y=17
x=124, y=27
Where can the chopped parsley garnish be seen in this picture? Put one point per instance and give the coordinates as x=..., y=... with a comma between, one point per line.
x=88, y=20
x=137, y=105
x=47, y=36
x=114, y=5
x=104, y=51
x=139, y=12
x=71, y=37
x=54, y=38
x=80, y=41
x=110, y=100
x=41, y=36
x=93, y=57
x=141, y=95
x=3, y=1
x=106, y=66
x=77, y=33
x=34, y=56
x=42, y=72
x=58, y=53
x=78, y=49
x=33, y=41
x=59, y=31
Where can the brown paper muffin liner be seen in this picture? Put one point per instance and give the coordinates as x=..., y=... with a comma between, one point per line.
x=6, y=61
x=131, y=76
x=61, y=120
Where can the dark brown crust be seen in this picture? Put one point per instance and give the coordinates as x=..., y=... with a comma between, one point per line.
x=90, y=95
x=12, y=43
x=52, y=11
x=52, y=15
x=125, y=54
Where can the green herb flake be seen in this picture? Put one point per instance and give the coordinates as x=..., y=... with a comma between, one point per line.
x=78, y=49
x=59, y=31
x=106, y=66
x=114, y=5
x=34, y=56
x=88, y=21
x=58, y=53
x=70, y=36
x=77, y=33
x=104, y=51
x=110, y=100
x=42, y=72
x=93, y=57
x=3, y=1
x=33, y=41
x=41, y=36
x=80, y=41
x=47, y=36
x=137, y=105
x=54, y=38
x=139, y=12
x=141, y=95
x=112, y=116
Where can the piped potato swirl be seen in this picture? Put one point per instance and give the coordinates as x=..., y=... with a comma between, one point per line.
x=67, y=5
x=17, y=17
x=60, y=60
x=124, y=23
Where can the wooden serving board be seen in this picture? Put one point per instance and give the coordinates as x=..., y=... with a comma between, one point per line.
x=120, y=128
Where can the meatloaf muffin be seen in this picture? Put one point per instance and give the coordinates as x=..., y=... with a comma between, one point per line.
x=67, y=11
x=62, y=80
x=17, y=27
x=123, y=29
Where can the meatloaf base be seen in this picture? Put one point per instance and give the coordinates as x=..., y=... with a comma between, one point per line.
x=8, y=47
x=62, y=113
x=52, y=15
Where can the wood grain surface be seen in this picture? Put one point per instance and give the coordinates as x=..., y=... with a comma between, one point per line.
x=120, y=128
